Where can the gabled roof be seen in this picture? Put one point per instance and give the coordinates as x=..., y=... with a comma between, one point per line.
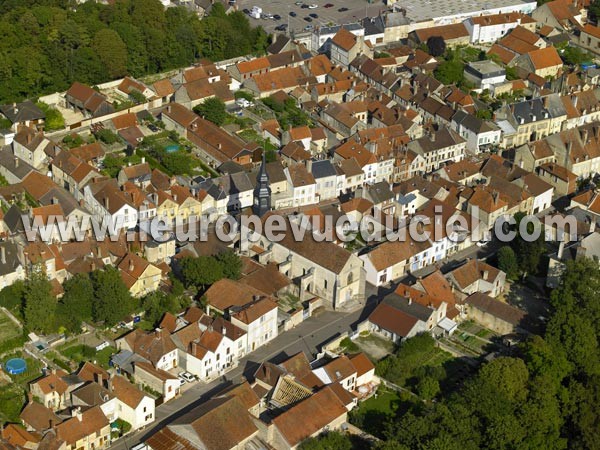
x=545, y=57
x=344, y=39
x=310, y=416
x=22, y=112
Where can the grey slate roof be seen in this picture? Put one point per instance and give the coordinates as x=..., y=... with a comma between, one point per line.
x=412, y=308
x=11, y=258
x=8, y=160
x=22, y=112
x=323, y=169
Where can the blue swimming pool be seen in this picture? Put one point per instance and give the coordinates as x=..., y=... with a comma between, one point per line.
x=172, y=148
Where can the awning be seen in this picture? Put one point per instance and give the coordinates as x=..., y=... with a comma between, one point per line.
x=448, y=325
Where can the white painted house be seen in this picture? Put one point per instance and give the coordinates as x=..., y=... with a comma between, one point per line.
x=259, y=320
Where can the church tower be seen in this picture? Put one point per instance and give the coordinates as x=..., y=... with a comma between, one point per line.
x=262, y=191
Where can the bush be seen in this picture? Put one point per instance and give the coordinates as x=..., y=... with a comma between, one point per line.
x=242, y=94
x=349, y=345
x=107, y=136
x=54, y=119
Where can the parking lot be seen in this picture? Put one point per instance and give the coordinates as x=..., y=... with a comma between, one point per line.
x=356, y=10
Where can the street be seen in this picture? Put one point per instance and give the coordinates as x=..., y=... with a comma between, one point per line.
x=309, y=337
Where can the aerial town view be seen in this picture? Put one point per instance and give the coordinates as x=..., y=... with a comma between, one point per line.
x=314, y=225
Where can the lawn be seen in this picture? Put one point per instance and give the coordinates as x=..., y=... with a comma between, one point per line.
x=383, y=406
x=81, y=352
x=8, y=329
x=12, y=395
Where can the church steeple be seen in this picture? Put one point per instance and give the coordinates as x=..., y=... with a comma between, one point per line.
x=262, y=191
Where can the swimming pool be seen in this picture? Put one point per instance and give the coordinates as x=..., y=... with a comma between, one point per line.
x=172, y=148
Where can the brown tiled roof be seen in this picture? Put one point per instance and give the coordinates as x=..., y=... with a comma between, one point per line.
x=244, y=393
x=89, y=371
x=393, y=320
x=359, y=204
x=325, y=254
x=133, y=265
x=254, y=65
x=19, y=437
x=505, y=55
x=124, y=121
x=299, y=366
x=38, y=417
x=438, y=288
x=219, y=424
x=498, y=19
x=310, y=416
x=163, y=88
x=226, y=293
x=168, y=322
x=362, y=364
x=394, y=252
x=352, y=149
x=496, y=308
x=158, y=373
x=472, y=271
x=339, y=368
x=92, y=421
x=449, y=32
x=88, y=152
x=255, y=310
x=180, y=114
x=52, y=383
x=152, y=346
x=344, y=39
x=126, y=392
x=545, y=57
x=267, y=279
x=285, y=78
x=300, y=176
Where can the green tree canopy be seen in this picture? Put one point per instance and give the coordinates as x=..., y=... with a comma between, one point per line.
x=39, y=307
x=112, y=300
x=213, y=110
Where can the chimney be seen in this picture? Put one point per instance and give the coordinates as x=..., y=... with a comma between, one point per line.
x=93, y=266
x=592, y=229
x=3, y=255
x=309, y=164
x=106, y=203
x=77, y=413
x=98, y=378
x=485, y=275
x=143, y=160
x=16, y=162
x=584, y=136
x=29, y=138
x=131, y=265
x=224, y=331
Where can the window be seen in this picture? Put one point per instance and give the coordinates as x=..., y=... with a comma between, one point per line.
x=218, y=356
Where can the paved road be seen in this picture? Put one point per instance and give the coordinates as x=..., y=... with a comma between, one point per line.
x=309, y=337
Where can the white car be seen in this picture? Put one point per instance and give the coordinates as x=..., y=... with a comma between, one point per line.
x=313, y=6
x=482, y=243
x=243, y=102
x=186, y=377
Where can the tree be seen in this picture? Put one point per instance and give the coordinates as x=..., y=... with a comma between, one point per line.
x=112, y=51
x=575, y=56
x=507, y=262
x=75, y=306
x=436, y=45
x=201, y=271
x=112, y=300
x=428, y=387
x=450, y=72
x=594, y=11
x=333, y=440
x=39, y=303
x=11, y=297
x=107, y=136
x=213, y=109
x=54, y=119
x=231, y=263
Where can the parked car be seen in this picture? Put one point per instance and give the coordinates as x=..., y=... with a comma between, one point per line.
x=308, y=19
x=328, y=5
x=293, y=14
x=308, y=28
x=281, y=27
x=243, y=102
x=304, y=6
x=246, y=11
x=313, y=6
x=314, y=16
x=343, y=9
x=153, y=128
x=276, y=17
x=186, y=377
x=298, y=3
